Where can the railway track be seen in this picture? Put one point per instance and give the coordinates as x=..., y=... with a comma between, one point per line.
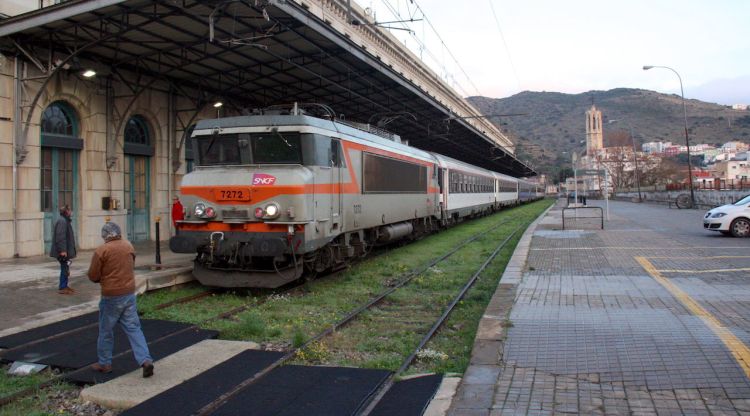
x=261, y=298
x=358, y=311
x=403, y=280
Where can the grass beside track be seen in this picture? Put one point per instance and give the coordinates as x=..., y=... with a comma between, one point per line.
x=34, y=405
x=285, y=321
x=388, y=333
x=378, y=340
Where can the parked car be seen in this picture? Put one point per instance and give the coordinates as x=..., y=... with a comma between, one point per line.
x=731, y=219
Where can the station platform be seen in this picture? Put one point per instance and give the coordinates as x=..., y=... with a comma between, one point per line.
x=650, y=315
x=28, y=286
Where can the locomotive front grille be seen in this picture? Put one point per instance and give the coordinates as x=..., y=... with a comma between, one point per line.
x=235, y=213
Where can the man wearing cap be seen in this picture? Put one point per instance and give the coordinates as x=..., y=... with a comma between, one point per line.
x=112, y=267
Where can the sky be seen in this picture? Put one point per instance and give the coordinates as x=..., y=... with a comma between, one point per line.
x=504, y=47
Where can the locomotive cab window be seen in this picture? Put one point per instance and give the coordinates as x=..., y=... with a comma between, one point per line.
x=244, y=149
x=219, y=150
x=276, y=148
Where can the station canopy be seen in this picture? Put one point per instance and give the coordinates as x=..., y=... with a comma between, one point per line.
x=247, y=54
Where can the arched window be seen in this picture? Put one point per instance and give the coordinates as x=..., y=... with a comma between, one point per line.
x=59, y=125
x=59, y=119
x=136, y=131
x=138, y=139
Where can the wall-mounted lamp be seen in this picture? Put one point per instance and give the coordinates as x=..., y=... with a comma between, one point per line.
x=89, y=73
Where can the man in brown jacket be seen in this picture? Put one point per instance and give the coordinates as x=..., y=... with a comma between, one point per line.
x=112, y=267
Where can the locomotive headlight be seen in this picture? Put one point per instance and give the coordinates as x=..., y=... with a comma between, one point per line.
x=199, y=210
x=272, y=211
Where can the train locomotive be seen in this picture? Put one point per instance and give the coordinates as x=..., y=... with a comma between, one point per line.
x=284, y=193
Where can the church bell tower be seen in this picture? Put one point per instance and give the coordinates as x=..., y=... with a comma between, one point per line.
x=594, y=135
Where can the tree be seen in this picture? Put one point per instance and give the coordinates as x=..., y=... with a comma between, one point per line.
x=563, y=174
x=667, y=171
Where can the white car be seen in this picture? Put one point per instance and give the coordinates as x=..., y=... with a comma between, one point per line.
x=732, y=219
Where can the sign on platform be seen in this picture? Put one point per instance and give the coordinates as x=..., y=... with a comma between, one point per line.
x=585, y=172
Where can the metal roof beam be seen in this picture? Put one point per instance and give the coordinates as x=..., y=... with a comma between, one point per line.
x=44, y=16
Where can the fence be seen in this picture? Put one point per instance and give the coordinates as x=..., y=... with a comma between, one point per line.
x=713, y=185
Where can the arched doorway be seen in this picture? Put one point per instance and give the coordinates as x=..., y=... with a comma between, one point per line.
x=60, y=148
x=138, y=150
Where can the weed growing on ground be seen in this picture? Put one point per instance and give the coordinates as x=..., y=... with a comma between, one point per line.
x=426, y=354
x=148, y=301
x=384, y=336
x=315, y=353
x=40, y=403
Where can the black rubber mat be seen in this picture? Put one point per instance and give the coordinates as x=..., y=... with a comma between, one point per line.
x=21, y=338
x=306, y=391
x=78, y=350
x=409, y=397
x=126, y=363
x=193, y=394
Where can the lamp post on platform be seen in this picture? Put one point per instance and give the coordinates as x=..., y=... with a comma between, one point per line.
x=687, y=140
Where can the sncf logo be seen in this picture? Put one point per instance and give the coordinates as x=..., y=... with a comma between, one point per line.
x=263, y=179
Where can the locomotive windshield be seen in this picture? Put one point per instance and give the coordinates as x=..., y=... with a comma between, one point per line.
x=245, y=149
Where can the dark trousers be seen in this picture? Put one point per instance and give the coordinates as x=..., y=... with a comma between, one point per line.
x=64, y=272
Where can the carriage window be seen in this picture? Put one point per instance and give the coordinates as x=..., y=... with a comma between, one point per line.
x=386, y=175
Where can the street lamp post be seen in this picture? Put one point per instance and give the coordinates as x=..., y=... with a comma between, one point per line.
x=635, y=159
x=687, y=140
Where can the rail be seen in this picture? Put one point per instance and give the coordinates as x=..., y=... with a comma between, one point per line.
x=601, y=214
x=403, y=280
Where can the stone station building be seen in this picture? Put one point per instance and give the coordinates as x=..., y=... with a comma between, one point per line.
x=97, y=98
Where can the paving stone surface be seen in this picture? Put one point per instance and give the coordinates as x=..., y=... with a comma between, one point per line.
x=593, y=332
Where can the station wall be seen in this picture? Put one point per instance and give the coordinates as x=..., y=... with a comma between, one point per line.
x=87, y=98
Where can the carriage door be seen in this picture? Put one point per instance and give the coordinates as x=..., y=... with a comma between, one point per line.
x=58, y=165
x=137, y=179
x=335, y=180
x=442, y=196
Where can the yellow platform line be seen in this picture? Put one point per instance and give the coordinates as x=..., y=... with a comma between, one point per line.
x=700, y=257
x=739, y=350
x=641, y=248
x=741, y=269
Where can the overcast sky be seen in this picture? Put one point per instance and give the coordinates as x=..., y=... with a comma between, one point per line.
x=575, y=46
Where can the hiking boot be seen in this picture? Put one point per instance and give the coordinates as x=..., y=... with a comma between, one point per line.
x=102, y=368
x=148, y=369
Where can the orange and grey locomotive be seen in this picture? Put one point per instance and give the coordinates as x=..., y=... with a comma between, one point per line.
x=283, y=193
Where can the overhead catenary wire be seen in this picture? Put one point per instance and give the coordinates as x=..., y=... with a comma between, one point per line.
x=396, y=13
x=505, y=45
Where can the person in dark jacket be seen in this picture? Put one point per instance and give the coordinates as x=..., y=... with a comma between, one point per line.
x=112, y=266
x=64, y=248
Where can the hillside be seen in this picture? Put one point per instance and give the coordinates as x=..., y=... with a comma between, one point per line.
x=555, y=122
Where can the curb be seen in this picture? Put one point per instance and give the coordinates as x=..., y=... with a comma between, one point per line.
x=170, y=276
x=489, y=341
